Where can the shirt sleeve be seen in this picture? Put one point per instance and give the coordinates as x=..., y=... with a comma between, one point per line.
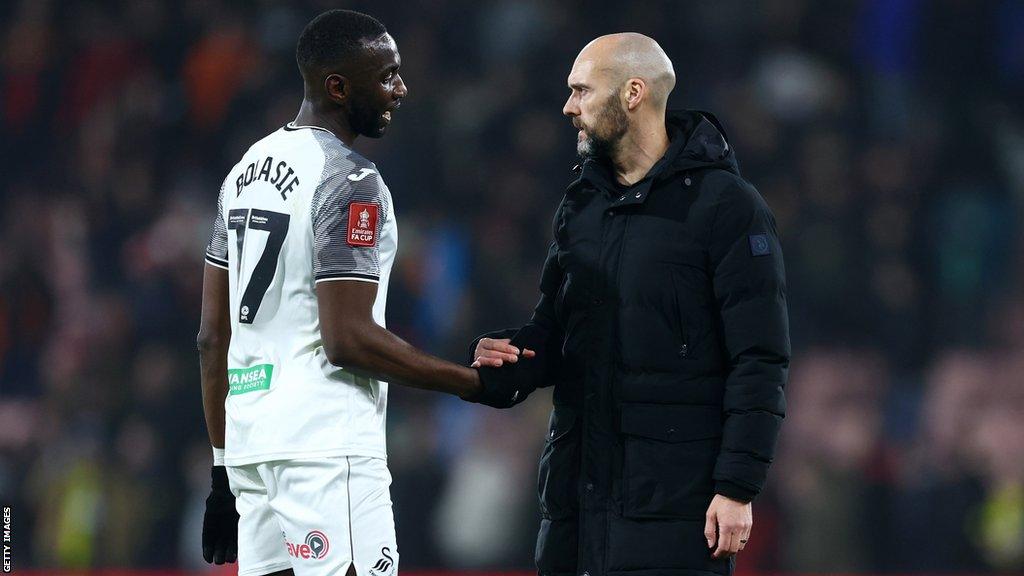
x=349, y=211
x=217, y=249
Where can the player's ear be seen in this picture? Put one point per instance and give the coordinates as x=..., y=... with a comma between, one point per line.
x=338, y=88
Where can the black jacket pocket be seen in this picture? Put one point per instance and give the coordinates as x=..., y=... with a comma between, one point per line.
x=669, y=454
x=558, y=476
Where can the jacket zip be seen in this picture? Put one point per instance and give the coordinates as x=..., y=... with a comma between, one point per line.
x=613, y=389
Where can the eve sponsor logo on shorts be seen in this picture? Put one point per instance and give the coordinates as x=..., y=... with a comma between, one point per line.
x=242, y=380
x=315, y=547
x=362, y=224
x=384, y=565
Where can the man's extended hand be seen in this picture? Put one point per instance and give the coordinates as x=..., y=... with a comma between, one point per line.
x=505, y=384
x=220, y=522
x=494, y=352
x=727, y=525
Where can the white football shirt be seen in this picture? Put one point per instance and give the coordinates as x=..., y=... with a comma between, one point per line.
x=299, y=208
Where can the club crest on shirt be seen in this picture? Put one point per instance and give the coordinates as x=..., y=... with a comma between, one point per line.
x=362, y=224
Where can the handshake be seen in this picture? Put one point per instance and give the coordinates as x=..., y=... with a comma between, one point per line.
x=506, y=379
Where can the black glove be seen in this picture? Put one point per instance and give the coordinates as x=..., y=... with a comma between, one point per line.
x=220, y=522
x=509, y=385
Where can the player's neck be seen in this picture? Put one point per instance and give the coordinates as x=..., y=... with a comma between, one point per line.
x=309, y=116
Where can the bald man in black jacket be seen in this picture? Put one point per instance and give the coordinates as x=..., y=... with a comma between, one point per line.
x=662, y=326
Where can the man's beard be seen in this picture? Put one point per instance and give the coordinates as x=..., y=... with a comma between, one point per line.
x=610, y=126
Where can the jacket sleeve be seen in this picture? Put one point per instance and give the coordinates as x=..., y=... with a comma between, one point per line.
x=750, y=292
x=542, y=332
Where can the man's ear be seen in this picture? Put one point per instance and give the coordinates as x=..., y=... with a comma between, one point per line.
x=338, y=88
x=636, y=91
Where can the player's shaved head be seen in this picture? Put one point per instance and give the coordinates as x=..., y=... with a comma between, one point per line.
x=626, y=55
x=335, y=40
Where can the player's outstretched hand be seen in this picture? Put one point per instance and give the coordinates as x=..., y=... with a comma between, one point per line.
x=220, y=522
x=506, y=386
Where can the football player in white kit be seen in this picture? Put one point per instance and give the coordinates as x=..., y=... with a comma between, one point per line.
x=293, y=350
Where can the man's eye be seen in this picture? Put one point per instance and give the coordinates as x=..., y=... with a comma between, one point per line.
x=389, y=76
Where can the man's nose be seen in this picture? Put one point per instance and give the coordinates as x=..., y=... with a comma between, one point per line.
x=400, y=88
x=571, y=108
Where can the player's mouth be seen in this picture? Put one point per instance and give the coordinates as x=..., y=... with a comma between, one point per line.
x=386, y=116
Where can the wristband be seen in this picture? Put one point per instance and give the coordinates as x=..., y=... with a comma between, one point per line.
x=218, y=456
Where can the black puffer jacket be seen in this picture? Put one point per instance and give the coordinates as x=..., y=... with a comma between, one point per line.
x=668, y=346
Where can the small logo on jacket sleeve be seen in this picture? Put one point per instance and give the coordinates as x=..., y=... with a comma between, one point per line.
x=362, y=224
x=759, y=245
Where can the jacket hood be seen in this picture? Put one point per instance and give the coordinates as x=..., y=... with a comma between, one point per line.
x=696, y=140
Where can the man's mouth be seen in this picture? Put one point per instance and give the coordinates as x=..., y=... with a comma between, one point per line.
x=582, y=135
x=387, y=115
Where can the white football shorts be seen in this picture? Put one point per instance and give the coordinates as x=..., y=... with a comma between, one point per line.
x=315, y=516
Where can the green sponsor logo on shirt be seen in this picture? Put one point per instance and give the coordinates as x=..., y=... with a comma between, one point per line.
x=242, y=380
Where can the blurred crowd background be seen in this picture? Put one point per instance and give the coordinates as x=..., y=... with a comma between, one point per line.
x=887, y=135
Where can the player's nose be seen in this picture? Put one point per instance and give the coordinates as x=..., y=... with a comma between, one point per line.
x=401, y=90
